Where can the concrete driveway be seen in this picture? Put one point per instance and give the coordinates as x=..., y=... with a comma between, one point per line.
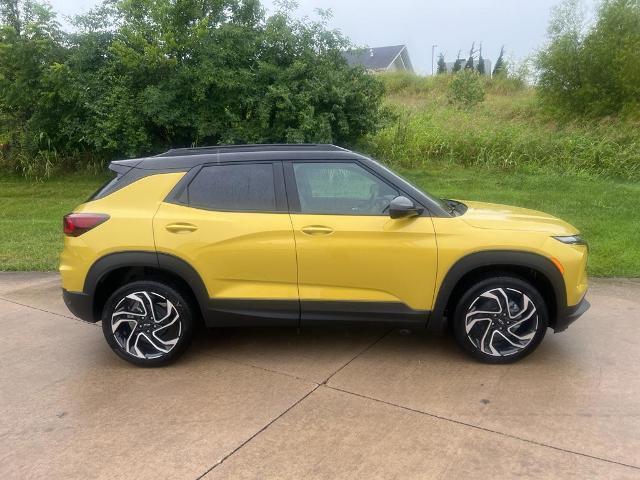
x=270, y=403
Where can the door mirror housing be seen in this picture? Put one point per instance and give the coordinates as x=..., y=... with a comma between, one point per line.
x=402, y=207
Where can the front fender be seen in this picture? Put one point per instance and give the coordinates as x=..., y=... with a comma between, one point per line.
x=498, y=259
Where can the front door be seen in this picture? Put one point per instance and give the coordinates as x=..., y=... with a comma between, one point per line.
x=232, y=226
x=354, y=261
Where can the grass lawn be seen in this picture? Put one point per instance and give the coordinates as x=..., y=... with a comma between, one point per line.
x=606, y=211
x=31, y=218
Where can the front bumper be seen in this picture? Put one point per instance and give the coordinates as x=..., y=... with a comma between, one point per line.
x=571, y=315
x=80, y=304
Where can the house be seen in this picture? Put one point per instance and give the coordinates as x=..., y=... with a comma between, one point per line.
x=487, y=65
x=380, y=59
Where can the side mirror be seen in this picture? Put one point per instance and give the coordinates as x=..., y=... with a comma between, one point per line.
x=402, y=207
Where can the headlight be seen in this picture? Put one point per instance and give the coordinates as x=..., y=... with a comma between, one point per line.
x=572, y=240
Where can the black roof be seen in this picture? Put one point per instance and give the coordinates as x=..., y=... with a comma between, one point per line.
x=184, y=159
x=256, y=147
x=373, y=58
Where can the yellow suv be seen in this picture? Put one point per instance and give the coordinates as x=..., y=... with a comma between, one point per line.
x=294, y=235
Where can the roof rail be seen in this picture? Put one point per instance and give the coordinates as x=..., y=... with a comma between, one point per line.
x=267, y=147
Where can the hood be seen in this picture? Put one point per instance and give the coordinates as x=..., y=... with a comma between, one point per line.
x=502, y=217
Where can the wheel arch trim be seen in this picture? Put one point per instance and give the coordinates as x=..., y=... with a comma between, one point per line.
x=497, y=258
x=161, y=261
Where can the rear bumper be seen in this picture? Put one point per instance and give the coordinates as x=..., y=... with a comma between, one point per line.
x=80, y=304
x=571, y=315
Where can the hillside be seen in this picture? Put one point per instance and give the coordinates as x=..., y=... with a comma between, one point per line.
x=508, y=131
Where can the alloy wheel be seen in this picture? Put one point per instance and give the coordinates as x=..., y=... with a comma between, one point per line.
x=146, y=325
x=501, y=322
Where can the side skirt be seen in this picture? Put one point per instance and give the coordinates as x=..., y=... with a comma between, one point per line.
x=250, y=312
x=339, y=312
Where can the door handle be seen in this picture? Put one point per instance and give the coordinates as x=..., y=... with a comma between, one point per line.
x=317, y=230
x=181, y=228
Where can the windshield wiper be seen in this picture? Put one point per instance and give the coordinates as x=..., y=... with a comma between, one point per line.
x=455, y=208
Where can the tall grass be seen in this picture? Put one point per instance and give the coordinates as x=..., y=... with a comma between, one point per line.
x=508, y=131
x=34, y=157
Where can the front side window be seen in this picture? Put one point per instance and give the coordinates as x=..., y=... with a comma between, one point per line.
x=341, y=189
x=240, y=187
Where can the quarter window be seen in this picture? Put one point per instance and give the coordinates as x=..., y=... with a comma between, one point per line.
x=341, y=189
x=241, y=187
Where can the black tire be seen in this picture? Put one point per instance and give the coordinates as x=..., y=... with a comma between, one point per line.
x=489, y=333
x=150, y=331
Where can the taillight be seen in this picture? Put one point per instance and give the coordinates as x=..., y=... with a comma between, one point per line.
x=75, y=224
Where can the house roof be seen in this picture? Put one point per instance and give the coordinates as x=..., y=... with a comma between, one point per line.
x=373, y=58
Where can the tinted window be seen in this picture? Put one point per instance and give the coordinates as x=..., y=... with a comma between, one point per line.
x=341, y=188
x=243, y=187
x=105, y=188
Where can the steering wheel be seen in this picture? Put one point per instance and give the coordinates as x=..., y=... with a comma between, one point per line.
x=379, y=203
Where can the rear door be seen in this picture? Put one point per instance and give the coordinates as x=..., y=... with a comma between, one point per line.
x=354, y=261
x=230, y=222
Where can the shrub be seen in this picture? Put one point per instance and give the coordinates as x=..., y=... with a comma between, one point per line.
x=138, y=77
x=592, y=71
x=466, y=89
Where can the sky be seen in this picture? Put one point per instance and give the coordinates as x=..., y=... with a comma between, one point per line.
x=453, y=25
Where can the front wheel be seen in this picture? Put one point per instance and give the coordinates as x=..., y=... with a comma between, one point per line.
x=500, y=319
x=147, y=323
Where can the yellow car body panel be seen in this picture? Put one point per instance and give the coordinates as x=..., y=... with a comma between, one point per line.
x=239, y=255
x=366, y=259
x=493, y=216
x=486, y=227
x=129, y=229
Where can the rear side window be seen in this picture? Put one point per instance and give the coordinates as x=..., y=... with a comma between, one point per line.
x=106, y=188
x=242, y=187
x=122, y=176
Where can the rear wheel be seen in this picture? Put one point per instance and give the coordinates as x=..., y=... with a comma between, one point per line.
x=147, y=323
x=500, y=319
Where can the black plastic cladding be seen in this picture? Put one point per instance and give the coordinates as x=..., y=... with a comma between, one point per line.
x=182, y=160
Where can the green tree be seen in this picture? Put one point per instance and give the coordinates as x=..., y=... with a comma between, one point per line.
x=592, y=70
x=481, y=69
x=136, y=77
x=472, y=55
x=10, y=15
x=31, y=63
x=442, y=65
x=500, y=67
x=457, y=66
